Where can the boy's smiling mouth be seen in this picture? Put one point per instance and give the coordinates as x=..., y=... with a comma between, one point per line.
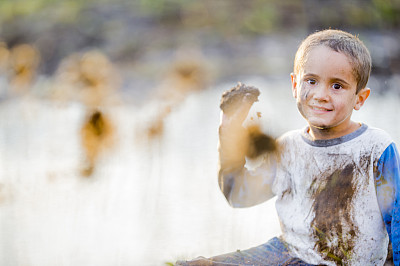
x=320, y=108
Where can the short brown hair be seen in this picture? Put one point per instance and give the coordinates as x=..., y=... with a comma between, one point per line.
x=343, y=42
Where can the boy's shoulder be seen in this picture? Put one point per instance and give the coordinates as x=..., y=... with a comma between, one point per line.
x=377, y=135
x=292, y=133
x=292, y=138
x=367, y=135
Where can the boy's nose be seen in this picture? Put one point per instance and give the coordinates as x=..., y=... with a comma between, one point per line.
x=321, y=93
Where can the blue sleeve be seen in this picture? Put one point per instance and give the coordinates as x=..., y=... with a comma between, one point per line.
x=387, y=177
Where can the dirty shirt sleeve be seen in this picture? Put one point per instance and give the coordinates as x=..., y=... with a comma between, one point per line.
x=245, y=188
x=387, y=177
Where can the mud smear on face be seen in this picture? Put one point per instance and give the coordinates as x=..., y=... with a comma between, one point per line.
x=333, y=223
x=303, y=97
x=305, y=94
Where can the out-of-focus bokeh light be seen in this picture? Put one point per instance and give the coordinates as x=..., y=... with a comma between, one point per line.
x=24, y=60
x=97, y=137
x=89, y=77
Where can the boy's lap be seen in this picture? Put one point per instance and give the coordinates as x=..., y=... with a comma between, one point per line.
x=274, y=252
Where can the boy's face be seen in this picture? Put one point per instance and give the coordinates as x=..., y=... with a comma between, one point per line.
x=325, y=91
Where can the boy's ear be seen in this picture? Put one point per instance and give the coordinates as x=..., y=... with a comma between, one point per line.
x=361, y=97
x=294, y=84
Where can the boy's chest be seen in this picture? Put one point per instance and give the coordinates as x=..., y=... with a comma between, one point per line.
x=310, y=171
x=328, y=195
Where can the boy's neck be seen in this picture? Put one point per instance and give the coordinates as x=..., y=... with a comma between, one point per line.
x=332, y=133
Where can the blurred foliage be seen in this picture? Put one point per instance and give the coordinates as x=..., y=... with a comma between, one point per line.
x=125, y=29
x=61, y=10
x=250, y=16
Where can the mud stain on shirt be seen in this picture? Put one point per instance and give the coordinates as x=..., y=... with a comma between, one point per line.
x=333, y=224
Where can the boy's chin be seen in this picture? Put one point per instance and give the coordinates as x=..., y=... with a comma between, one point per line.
x=318, y=122
x=320, y=126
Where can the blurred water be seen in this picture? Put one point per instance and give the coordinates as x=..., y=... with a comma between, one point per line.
x=148, y=202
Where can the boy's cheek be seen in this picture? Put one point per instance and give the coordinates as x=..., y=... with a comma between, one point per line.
x=300, y=108
x=304, y=94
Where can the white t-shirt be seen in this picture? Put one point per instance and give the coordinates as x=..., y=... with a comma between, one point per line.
x=326, y=196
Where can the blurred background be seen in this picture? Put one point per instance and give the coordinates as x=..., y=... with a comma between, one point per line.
x=109, y=114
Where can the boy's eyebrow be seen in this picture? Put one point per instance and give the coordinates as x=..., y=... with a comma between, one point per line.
x=341, y=80
x=310, y=74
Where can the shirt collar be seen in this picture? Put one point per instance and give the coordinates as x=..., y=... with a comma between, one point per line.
x=330, y=142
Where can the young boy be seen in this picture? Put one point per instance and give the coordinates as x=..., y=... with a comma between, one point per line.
x=337, y=181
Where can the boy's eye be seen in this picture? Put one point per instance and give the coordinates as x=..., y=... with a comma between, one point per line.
x=311, y=81
x=336, y=86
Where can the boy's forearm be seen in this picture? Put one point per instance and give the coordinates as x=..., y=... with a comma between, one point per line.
x=233, y=138
x=234, y=141
x=232, y=147
x=232, y=151
x=226, y=183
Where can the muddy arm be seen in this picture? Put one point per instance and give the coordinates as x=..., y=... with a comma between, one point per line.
x=240, y=186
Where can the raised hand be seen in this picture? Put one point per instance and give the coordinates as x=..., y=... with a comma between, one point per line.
x=236, y=103
x=234, y=141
